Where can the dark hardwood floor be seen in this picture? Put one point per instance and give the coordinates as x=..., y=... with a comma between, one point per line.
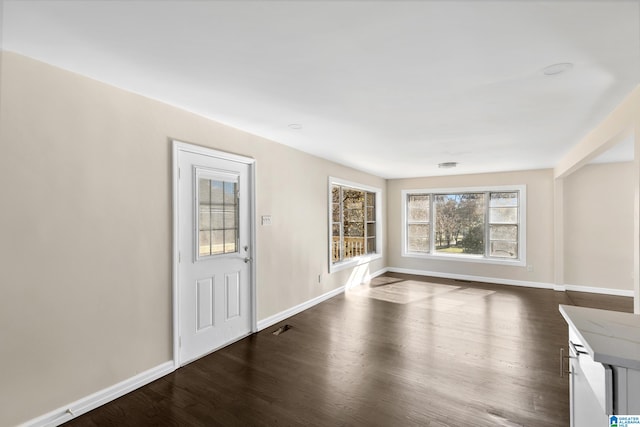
x=402, y=351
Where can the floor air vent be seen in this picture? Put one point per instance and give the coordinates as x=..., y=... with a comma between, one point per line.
x=281, y=329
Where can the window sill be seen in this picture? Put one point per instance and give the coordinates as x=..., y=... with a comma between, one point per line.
x=353, y=262
x=468, y=258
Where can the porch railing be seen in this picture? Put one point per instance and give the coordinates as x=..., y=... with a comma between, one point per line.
x=353, y=247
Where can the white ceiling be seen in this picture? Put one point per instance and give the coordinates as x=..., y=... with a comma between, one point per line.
x=388, y=87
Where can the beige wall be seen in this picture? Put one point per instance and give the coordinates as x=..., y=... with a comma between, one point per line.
x=598, y=208
x=539, y=226
x=85, y=281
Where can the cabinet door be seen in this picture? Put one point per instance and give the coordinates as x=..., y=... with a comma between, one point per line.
x=627, y=391
x=586, y=409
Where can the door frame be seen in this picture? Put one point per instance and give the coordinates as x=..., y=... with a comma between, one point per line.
x=177, y=147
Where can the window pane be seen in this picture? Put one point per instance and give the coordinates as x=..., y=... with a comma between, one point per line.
x=371, y=245
x=204, y=188
x=335, y=230
x=371, y=230
x=217, y=217
x=503, y=232
x=354, y=229
x=371, y=199
x=503, y=215
x=371, y=214
x=335, y=212
x=230, y=193
x=504, y=199
x=335, y=194
x=204, y=218
x=204, y=243
x=230, y=217
x=230, y=241
x=459, y=223
x=335, y=249
x=504, y=249
x=418, y=207
x=353, y=213
x=216, y=192
x=353, y=199
x=418, y=238
x=354, y=217
x=217, y=243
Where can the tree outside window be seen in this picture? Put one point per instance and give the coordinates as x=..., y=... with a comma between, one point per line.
x=459, y=223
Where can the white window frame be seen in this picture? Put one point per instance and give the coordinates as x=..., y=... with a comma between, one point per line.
x=521, y=260
x=363, y=259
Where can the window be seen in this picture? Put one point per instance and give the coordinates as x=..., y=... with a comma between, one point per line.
x=484, y=225
x=354, y=218
x=418, y=220
x=217, y=207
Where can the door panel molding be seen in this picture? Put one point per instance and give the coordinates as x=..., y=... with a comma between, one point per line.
x=232, y=295
x=183, y=147
x=206, y=302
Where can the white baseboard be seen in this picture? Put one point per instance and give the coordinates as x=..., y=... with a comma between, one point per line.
x=86, y=404
x=278, y=317
x=474, y=278
x=594, y=290
x=541, y=285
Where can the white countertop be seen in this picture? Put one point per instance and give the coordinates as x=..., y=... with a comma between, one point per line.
x=610, y=337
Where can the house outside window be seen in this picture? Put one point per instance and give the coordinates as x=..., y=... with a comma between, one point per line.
x=469, y=224
x=354, y=223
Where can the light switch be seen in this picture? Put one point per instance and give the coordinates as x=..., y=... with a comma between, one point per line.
x=266, y=219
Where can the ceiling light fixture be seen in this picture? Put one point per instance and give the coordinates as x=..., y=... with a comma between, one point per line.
x=555, y=69
x=447, y=165
x=295, y=126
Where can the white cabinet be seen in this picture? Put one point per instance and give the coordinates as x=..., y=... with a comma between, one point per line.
x=604, y=364
x=590, y=387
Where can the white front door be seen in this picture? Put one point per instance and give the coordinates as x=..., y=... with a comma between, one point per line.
x=214, y=289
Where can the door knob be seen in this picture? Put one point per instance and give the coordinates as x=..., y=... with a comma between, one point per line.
x=247, y=259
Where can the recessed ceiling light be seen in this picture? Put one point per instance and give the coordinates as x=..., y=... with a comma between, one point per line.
x=295, y=126
x=447, y=165
x=554, y=69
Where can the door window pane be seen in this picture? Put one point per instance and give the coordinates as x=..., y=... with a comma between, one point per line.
x=217, y=243
x=217, y=217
